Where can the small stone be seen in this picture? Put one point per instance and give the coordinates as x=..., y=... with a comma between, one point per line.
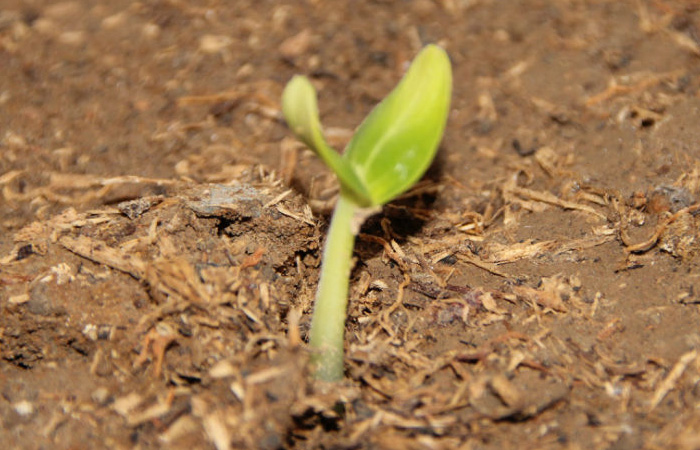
x=150, y=31
x=39, y=300
x=214, y=44
x=24, y=408
x=64, y=273
x=114, y=21
x=72, y=38
x=90, y=332
x=101, y=396
x=101, y=364
x=124, y=405
x=222, y=369
x=296, y=45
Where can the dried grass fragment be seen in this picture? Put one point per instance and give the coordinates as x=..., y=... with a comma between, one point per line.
x=632, y=83
x=551, y=199
x=662, y=228
x=100, y=253
x=672, y=378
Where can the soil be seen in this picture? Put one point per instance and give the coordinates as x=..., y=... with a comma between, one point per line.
x=161, y=229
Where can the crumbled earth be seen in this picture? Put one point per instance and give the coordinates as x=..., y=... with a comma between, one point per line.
x=161, y=230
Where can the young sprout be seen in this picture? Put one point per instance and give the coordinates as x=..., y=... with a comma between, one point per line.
x=389, y=152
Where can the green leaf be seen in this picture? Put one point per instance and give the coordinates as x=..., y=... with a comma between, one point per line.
x=301, y=113
x=396, y=143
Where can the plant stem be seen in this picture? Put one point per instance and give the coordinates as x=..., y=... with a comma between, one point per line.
x=330, y=310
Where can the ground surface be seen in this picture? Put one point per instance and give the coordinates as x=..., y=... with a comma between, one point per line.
x=161, y=230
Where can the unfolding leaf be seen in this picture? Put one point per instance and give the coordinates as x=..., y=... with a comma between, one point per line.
x=300, y=110
x=397, y=142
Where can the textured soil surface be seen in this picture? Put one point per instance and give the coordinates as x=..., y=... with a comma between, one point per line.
x=161, y=231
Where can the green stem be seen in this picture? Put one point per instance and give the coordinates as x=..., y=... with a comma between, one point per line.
x=330, y=310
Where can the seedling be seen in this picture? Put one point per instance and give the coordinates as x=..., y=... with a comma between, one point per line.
x=389, y=152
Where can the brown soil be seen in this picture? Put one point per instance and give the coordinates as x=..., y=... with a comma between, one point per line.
x=161, y=230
